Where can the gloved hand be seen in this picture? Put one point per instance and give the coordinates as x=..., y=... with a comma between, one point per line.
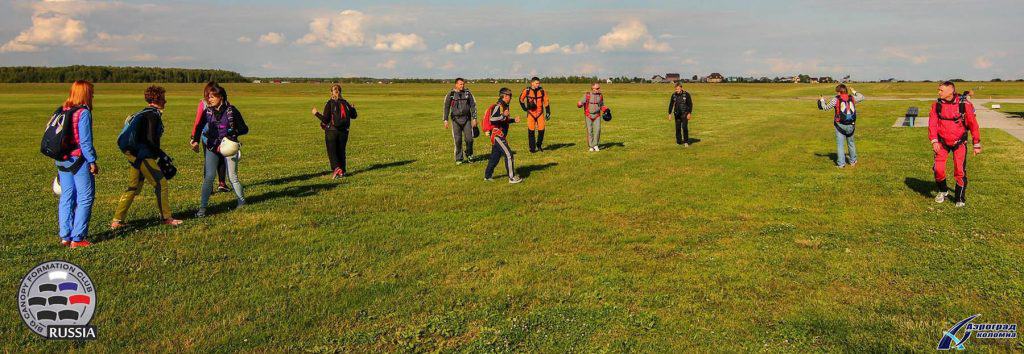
x=547, y=116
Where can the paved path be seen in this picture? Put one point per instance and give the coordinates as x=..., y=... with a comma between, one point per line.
x=987, y=118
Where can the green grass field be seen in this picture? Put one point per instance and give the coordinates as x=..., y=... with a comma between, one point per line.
x=749, y=240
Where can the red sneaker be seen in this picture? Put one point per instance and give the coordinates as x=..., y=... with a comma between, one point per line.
x=171, y=222
x=65, y=243
x=117, y=224
x=82, y=243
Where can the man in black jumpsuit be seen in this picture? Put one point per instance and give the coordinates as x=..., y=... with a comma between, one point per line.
x=680, y=107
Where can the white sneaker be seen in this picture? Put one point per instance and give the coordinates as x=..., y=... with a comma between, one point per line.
x=514, y=180
x=960, y=204
x=201, y=213
x=941, y=197
x=597, y=148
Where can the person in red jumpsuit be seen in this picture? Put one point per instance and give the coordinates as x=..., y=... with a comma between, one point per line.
x=950, y=120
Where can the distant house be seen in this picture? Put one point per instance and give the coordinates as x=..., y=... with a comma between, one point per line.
x=257, y=81
x=715, y=78
x=672, y=77
x=277, y=81
x=826, y=79
x=608, y=80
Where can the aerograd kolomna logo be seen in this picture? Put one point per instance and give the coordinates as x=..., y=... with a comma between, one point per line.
x=57, y=300
x=977, y=330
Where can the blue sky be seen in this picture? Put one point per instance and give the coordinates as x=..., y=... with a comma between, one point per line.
x=868, y=39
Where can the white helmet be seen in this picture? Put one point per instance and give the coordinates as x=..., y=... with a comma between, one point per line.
x=228, y=147
x=56, y=186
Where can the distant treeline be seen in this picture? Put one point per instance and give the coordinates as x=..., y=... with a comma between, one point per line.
x=35, y=74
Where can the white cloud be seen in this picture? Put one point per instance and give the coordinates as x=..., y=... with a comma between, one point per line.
x=459, y=47
x=524, y=48
x=588, y=69
x=342, y=30
x=272, y=38
x=564, y=49
x=48, y=29
x=399, y=42
x=690, y=61
x=812, y=66
x=143, y=57
x=985, y=61
x=390, y=64
x=627, y=35
x=904, y=54
x=982, y=63
x=244, y=39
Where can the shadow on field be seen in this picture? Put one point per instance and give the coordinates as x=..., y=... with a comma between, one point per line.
x=606, y=146
x=526, y=170
x=221, y=207
x=693, y=141
x=832, y=156
x=553, y=147
x=378, y=166
x=1016, y=114
x=290, y=179
x=922, y=187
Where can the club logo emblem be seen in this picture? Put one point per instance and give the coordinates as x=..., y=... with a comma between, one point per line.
x=57, y=300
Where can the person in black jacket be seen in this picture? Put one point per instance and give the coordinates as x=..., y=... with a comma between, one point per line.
x=460, y=106
x=143, y=161
x=335, y=121
x=680, y=107
x=224, y=125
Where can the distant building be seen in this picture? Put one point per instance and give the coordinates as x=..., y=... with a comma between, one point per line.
x=257, y=81
x=715, y=78
x=826, y=79
x=672, y=77
x=657, y=79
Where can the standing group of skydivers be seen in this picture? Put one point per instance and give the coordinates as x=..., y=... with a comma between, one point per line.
x=460, y=115
x=218, y=126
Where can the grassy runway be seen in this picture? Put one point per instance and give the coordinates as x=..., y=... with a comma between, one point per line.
x=749, y=240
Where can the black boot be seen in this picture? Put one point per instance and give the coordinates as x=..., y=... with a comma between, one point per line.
x=943, y=188
x=533, y=140
x=540, y=140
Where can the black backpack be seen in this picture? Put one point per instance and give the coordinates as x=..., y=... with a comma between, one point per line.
x=58, y=132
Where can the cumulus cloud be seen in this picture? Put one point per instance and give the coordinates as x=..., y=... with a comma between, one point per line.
x=459, y=47
x=48, y=29
x=782, y=65
x=904, y=55
x=143, y=57
x=985, y=61
x=524, y=48
x=272, y=38
x=399, y=42
x=344, y=29
x=631, y=34
x=564, y=49
x=389, y=64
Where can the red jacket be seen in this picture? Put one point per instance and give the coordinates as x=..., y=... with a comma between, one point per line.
x=950, y=129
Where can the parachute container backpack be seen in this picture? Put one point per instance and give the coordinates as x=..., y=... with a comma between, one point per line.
x=846, y=114
x=56, y=138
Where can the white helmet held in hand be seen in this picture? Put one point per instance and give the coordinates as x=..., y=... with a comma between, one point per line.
x=228, y=147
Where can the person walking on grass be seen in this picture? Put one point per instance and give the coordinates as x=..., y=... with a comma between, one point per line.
x=460, y=106
x=680, y=107
x=223, y=125
x=534, y=101
x=949, y=121
x=496, y=127
x=143, y=156
x=593, y=107
x=844, y=120
x=76, y=166
x=199, y=128
x=335, y=121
